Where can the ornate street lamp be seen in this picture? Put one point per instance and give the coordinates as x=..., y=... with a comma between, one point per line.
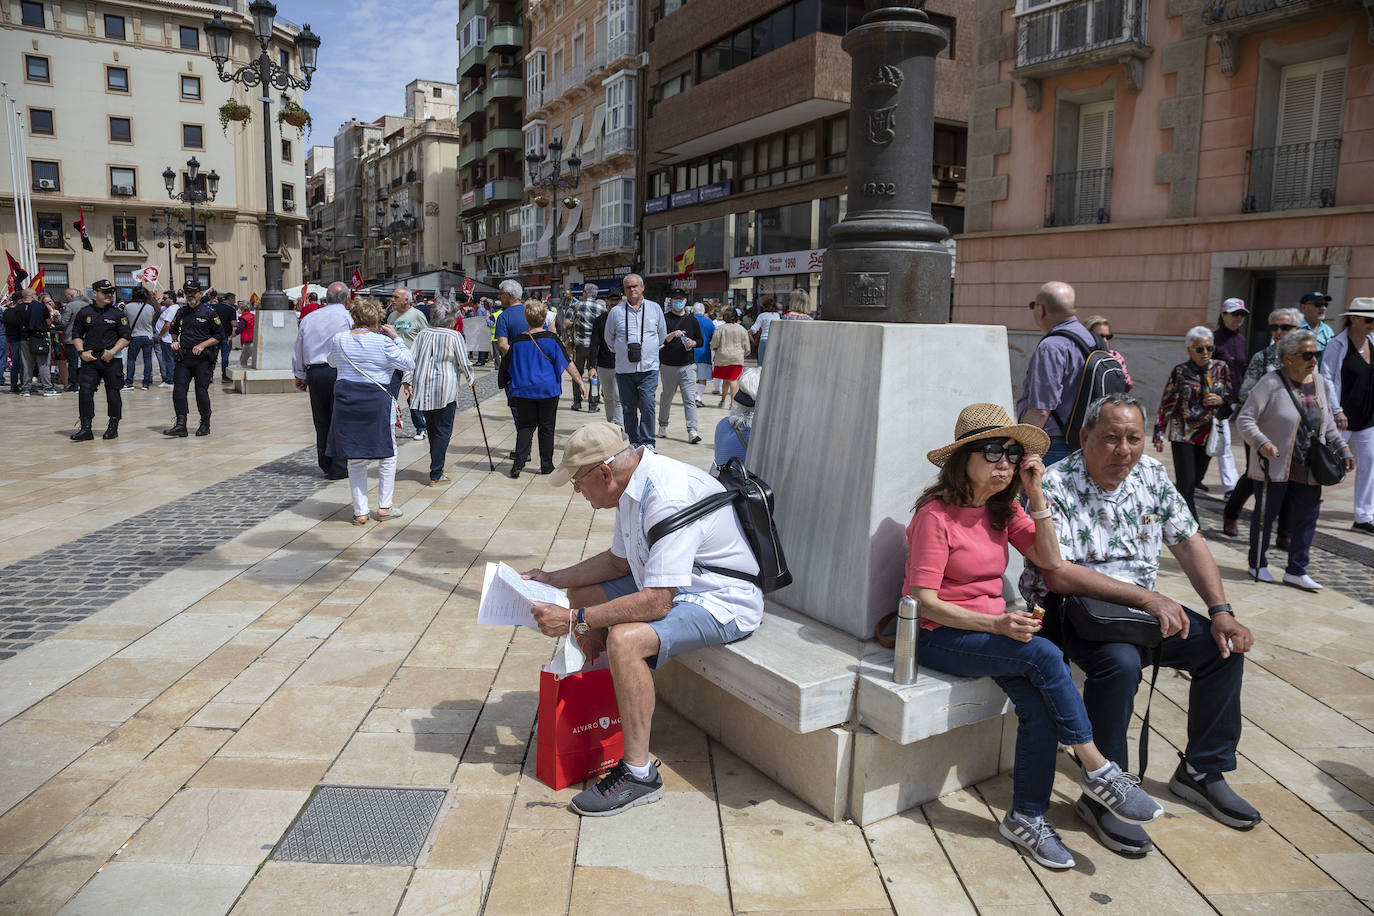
x=265, y=72
x=193, y=191
x=547, y=174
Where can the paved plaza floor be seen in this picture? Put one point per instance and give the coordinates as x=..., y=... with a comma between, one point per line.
x=194, y=637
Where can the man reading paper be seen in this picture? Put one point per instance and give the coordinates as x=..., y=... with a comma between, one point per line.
x=646, y=604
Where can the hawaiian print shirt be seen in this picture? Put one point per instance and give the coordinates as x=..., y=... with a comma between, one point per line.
x=1182, y=415
x=1119, y=533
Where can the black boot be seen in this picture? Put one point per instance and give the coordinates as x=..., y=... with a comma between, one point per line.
x=178, y=428
x=204, y=428
x=112, y=430
x=83, y=434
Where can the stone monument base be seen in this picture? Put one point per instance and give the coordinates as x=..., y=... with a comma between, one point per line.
x=269, y=364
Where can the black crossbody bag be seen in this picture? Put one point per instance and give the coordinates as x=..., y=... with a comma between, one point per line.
x=1323, y=462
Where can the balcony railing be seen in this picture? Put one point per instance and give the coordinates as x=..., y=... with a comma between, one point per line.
x=620, y=47
x=1218, y=11
x=1077, y=27
x=615, y=238
x=620, y=140
x=1292, y=176
x=1078, y=198
x=535, y=98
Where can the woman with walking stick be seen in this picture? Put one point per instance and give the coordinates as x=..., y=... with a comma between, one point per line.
x=441, y=353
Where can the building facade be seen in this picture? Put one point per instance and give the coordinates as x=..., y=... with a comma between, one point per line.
x=746, y=135
x=344, y=244
x=582, y=85
x=114, y=93
x=490, y=115
x=319, y=203
x=1168, y=154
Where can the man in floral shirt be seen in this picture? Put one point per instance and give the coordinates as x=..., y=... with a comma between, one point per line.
x=1114, y=509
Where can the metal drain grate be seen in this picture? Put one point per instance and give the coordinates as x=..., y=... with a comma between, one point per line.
x=347, y=825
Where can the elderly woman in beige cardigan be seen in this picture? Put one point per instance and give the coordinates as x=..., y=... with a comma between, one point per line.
x=1274, y=428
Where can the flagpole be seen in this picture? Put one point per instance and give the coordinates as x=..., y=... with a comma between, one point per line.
x=11, y=141
x=27, y=194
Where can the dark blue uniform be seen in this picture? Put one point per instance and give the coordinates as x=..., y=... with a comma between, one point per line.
x=100, y=329
x=192, y=326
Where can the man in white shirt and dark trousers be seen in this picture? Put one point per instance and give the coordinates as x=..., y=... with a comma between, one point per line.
x=310, y=366
x=694, y=587
x=636, y=330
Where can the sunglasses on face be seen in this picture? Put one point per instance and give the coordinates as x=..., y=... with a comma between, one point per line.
x=1307, y=355
x=1108, y=336
x=994, y=452
x=1204, y=349
x=1282, y=327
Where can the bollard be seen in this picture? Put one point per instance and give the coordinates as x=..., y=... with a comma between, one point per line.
x=904, y=652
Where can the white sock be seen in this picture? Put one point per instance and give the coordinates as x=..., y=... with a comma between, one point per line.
x=1192, y=771
x=639, y=772
x=1100, y=770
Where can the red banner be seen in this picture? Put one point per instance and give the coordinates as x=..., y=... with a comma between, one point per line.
x=356, y=281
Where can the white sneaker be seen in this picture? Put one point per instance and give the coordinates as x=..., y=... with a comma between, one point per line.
x=419, y=436
x=164, y=385
x=1261, y=575
x=663, y=433
x=1304, y=582
x=692, y=437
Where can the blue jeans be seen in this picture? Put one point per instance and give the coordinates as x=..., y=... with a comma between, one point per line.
x=763, y=345
x=137, y=345
x=164, y=361
x=5, y=357
x=637, y=393
x=226, y=350
x=1035, y=676
x=1059, y=450
x=440, y=424
x=1304, y=503
x=1113, y=674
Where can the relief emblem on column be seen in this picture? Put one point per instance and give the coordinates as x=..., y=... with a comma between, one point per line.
x=885, y=81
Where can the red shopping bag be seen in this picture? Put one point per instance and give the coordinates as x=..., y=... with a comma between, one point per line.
x=579, y=727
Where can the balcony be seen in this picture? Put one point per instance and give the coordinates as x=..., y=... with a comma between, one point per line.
x=535, y=99
x=504, y=138
x=1078, y=198
x=471, y=151
x=505, y=87
x=473, y=63
x=620, y=140
x=1078, y=35
x=620, y=49
x=473, y=105
x=615, y=238
x=1290, y=177
x=472, y=199
x=505, y=35
x=534, y=251
x=504, y=189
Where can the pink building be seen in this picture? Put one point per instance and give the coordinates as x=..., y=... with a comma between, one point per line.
x=1163, y=155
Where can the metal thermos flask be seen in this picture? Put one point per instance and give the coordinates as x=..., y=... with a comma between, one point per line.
x=904, y=652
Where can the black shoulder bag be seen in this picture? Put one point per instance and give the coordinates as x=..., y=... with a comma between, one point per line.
x=1323, y=462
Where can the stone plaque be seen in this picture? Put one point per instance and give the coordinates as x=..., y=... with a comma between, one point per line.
x=867, y=289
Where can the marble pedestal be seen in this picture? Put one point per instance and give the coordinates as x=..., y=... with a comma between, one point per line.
x=269, y=364
x=847, y=412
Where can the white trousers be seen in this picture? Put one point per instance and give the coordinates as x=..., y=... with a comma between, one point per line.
x=357, y=483
x=1362, y=444
x=1226, y=461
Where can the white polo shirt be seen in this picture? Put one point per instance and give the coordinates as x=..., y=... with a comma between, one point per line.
x=658, y=488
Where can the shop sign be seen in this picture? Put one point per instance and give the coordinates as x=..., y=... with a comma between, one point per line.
x=689, y=283
x=474, y=247
x=656, y=204
x=715, y=191
x=685, y=198
x=770, y=265
x=469, y=197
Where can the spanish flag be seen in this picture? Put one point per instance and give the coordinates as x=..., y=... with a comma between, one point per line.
x=38, y=281
x=686, y=262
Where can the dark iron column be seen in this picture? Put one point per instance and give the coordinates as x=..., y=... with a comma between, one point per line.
x=887, y=260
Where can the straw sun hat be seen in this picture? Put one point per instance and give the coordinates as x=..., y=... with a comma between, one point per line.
x=989, y=421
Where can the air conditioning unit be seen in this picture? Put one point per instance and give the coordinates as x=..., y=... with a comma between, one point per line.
x=288, y=205
x=508, y=60
x=642, y=62
x=122, y=190
x=45, y=184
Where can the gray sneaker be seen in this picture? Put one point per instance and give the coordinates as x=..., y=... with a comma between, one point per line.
x=1038, y=837
x=1210, y=792
x=1115, y=834
x=617, y=791
x=1120, y=793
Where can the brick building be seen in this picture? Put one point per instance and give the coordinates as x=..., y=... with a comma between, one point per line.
x=1162, y=155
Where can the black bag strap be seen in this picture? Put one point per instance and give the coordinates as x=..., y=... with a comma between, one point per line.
x=1157, y=654
x=1315, y=434
x=1098, y=344
x=699, y=510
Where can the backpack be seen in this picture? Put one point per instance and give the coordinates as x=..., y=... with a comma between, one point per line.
x=752, y=500
x=16, y=320
x=1102, y=375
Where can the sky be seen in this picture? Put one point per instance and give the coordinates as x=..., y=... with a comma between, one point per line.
x=368, y=52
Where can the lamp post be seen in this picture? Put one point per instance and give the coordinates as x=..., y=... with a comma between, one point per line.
x=546, y=173
x=266, y=73
x=167, y=233
x=192, y=192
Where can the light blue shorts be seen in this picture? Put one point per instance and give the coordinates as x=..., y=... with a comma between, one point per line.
x=687, y=627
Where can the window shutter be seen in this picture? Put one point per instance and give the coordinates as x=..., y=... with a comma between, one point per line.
x=1096, y=141
x=1311, y=105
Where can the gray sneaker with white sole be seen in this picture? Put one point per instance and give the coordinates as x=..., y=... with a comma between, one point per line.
x=617, y=791
x=1037, y=836
x=1120, y=793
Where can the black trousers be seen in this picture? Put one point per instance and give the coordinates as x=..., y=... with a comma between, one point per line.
x=201, y=369
x=1190, y=463
x=90, y=377
x=532, y=414
x=1245, y=488
x=319, y=381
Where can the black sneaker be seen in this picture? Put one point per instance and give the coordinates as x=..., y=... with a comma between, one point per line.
x=1210, y=792
x=617, y=791
x=1115, y=834
x=1366, y=527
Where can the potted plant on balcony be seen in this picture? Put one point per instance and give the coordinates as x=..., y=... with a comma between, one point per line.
x=293, y=114
x=233, y=110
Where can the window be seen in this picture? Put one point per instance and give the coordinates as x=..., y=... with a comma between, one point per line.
x=40, y=122
x=31, y=14
x=288, y=197
x=122, y=181
x=619, y=18
x=49, y=230
x=55, y=276
x=190, y=88
x=45, y=175
x=190, y=38
x=1079, y=191
x=779, y=159
x=284, y=59
x=114, y=27
x=438, y=92
x=121, y=130
x=201, y=276
x=36, y=69
x=709, y=237
x=620, y=101
x=1299, y=170
x=286, y=151
x=195, y=237
x=784, y=228
x=531, y=224
x=534, y=143
x=192, y=136
x=836, y=143
x=832, y=212
x=117, y=79
x=1096, y=123
x=472, y=34
x=617, y=202
x=951, y=146
x=660, y=184
x=125, y=233
x=534, y=78
x=657, y=260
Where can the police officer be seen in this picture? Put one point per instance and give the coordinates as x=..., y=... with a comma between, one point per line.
x=100, y=333
x=196, y=331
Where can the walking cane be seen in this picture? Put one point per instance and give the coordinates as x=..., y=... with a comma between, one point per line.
x=1260, y=502
x=478, y=404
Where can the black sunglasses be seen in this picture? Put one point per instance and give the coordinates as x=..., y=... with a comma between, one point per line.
x=1108, y=336
x=1204, y=349
x=993, y=452
x=1282, y=327
x=1307, y=357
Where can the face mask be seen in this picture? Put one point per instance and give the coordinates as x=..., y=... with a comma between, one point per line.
x=679, y=306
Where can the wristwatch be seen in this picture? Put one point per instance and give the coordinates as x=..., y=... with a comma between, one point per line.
x=581, y=626
x=1216, y=609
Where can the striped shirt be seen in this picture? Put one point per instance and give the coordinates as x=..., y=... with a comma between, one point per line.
x=372, y=353
x=440, y=354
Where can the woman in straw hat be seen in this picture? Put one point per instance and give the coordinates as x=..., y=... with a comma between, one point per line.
x=957, y=554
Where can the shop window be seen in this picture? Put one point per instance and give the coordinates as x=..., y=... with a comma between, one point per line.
x=784, y=228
